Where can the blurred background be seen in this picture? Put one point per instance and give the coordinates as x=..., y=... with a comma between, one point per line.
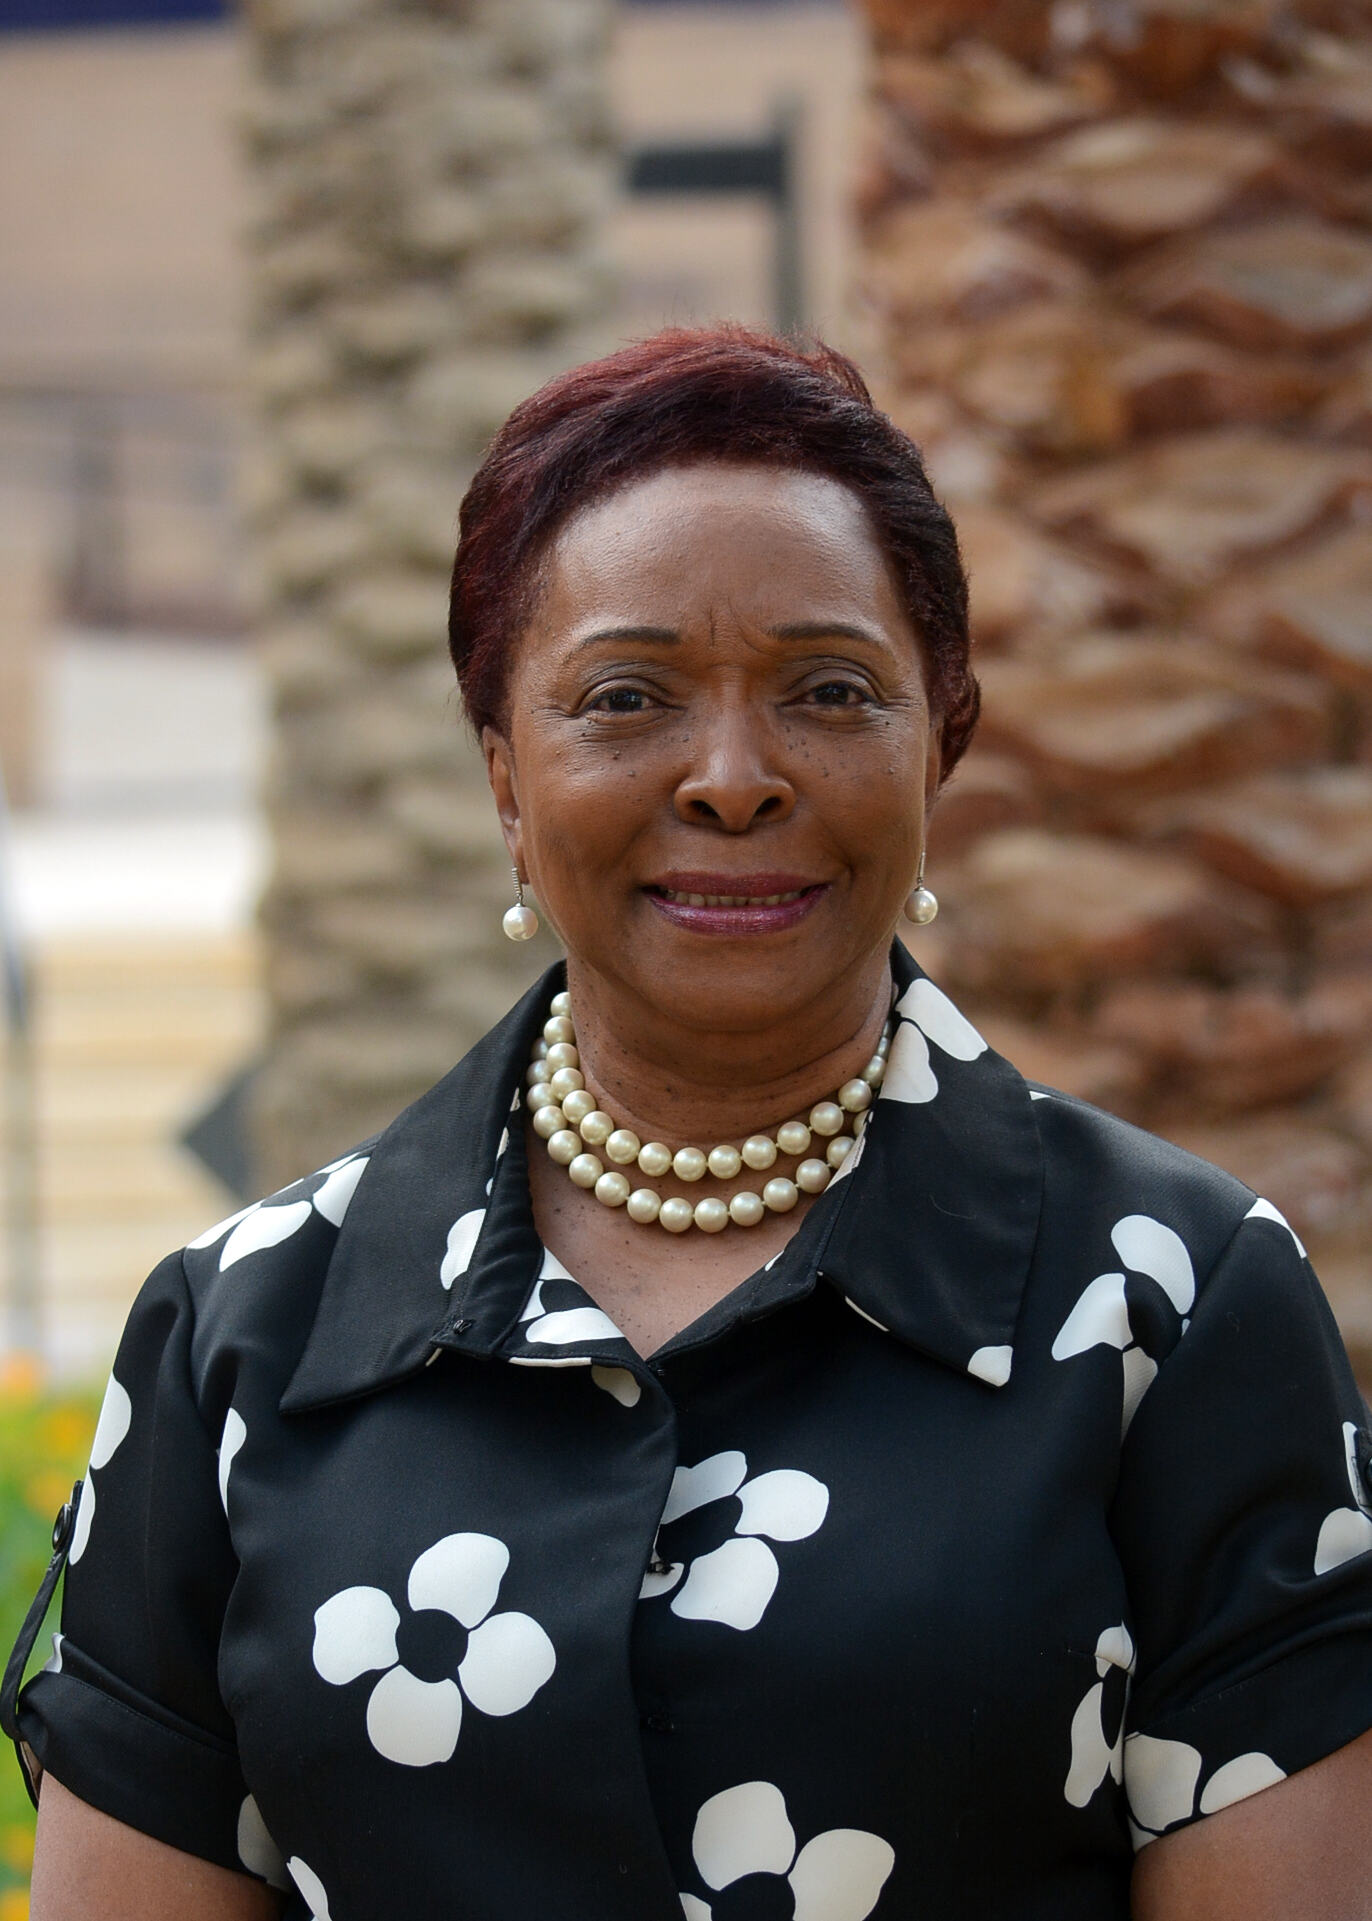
x=270, y=275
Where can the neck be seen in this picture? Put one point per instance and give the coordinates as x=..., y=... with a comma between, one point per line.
x=674, y=1081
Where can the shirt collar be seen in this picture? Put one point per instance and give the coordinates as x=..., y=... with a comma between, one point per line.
x=929, y=1234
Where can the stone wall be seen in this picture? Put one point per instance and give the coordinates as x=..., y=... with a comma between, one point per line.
x=429, y=184
x=1119, y=258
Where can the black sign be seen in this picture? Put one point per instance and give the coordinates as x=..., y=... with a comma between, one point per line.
x=60, y=16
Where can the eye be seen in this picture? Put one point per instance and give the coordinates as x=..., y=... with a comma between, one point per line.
x=618, y=700
x=840, y=693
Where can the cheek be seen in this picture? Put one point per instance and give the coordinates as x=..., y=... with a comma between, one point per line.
x=878, y=777
x=580, y=817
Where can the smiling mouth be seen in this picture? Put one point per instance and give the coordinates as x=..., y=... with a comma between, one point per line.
x=728, y=900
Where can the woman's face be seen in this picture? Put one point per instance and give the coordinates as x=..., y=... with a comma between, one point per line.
x=719, y=694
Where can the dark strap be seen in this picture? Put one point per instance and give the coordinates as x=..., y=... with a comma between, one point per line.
x=63, y=1529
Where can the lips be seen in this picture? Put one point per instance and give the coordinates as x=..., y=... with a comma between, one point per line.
x=730, y=900
x=735, y=904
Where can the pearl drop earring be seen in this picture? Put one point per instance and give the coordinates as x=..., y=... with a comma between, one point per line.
x=521, y=922
x=921, y=903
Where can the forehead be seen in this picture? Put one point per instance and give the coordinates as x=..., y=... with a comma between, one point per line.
x=767, y=538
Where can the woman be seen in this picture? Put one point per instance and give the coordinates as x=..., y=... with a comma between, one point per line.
x=925, y=1518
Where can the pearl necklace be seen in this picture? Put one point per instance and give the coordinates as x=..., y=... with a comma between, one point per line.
x=566, y=1118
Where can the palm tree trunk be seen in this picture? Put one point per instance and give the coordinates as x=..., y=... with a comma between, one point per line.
x=430, y=183
x=1118, y=255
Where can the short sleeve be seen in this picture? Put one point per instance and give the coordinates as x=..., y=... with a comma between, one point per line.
x=128, y=1714
x=1244, y=1524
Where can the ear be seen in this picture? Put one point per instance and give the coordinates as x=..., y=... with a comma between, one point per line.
x=933, y=769
x=500, y=772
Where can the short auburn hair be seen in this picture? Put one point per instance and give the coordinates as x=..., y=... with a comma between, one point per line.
x=683, y=396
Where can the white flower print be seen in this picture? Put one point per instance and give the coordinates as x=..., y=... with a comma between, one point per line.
x=1101, y=1318
x=311, y=1887
x=268, y=1223
x=838, y=1876
x=233, y=1437
x=1098, y=1724
x=992, y=1364
x=1347, y=1531
x=1161, y=1779
x=462, y=1237
x=942, y=1023
x=1265, y=1211
x=412, y=1720
x=619, y=1383
x=734, y=1583
x=256, y=1849
x=927, y=1015
x=579, y=1322
x=116, y=1417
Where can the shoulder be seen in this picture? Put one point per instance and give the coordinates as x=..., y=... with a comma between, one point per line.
x=252, y=1282
x=1096, y=1164
x=1120, y=1200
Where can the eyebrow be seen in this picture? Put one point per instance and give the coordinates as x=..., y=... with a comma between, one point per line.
x=826, y=630
x=666, y=636
x=802, y=630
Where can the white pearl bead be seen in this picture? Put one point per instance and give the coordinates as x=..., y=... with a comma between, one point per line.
x=676, y=1215
x=921, y=907
x=520, y=922
x=565, y=1113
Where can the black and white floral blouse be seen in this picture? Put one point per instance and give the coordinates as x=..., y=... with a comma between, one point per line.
x=1017, y=1513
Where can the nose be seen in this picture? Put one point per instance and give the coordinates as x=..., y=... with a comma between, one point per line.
x=734, y=781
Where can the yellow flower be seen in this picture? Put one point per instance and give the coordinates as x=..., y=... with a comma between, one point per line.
x=14, y=1905
x=16, y=1849
x=67, y=1433
x=21, y=1378
x=46, y=1492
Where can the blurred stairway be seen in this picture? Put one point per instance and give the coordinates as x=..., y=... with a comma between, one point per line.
x=133, y=1037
